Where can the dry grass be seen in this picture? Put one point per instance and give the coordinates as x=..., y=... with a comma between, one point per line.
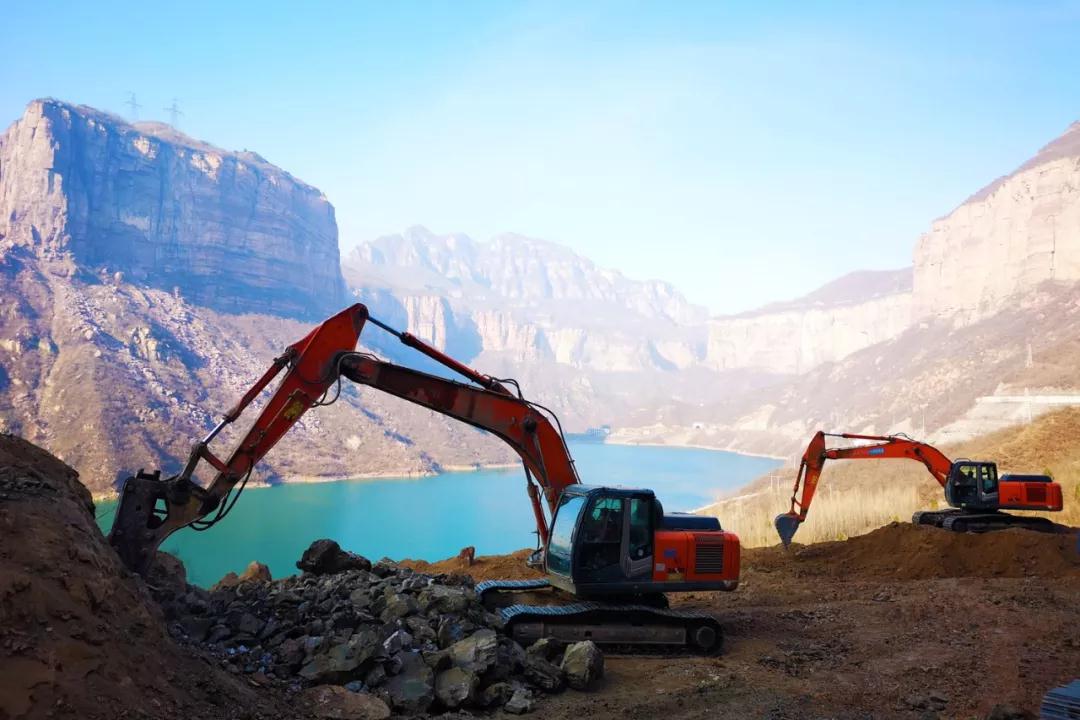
x=856, y=497
x=836, y=515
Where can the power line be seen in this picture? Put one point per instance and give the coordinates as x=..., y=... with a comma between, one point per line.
x=174, y=113
x=133, y=105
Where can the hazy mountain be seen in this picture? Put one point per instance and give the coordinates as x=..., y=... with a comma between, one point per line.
x=987, y=335
x=149, y=278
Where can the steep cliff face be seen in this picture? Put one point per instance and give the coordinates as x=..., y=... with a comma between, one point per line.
x=510, y=268
x=849, y=314
x=126, y=254
x=226, y=230
x=1019, y=231
x=525, y=299
x=988, y=335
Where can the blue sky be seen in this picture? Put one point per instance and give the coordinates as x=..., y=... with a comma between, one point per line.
x=746, y=152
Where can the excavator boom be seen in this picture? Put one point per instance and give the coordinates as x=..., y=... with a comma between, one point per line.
x=881, y=446
x=151, y=509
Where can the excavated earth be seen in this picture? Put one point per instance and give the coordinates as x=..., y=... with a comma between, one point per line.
x=903, y=622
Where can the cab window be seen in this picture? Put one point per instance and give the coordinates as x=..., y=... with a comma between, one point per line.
x=604, y=522
x=641, y=535
x=967, y=475
x=988, y=478
x=560, y=543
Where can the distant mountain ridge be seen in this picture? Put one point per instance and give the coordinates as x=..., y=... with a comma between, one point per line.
x=149, y=277
x=509, y=267
x=991, y=318
x=851, y=289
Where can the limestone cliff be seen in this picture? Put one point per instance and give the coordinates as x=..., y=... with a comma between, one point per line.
x=984, y=333
x=526, y=299
x=147, y=280
x=511, y=268
x=1021, y=230
x=224, y=229
x=851, y=313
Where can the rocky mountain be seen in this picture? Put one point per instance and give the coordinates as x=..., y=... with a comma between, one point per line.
x=1017, y=232
x=146, y=280
x=226, y=230
x=512, y=268
x=855, y=311
x=983, y=334
x=585, y=340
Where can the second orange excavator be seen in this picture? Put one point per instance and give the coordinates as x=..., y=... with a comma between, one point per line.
x=974, y=491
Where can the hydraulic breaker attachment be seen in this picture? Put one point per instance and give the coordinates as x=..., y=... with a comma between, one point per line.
x=145, y=503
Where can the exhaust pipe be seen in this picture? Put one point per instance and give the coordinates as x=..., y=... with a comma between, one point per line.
x=786, y=525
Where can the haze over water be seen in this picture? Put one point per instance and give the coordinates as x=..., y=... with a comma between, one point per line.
x=432, y=518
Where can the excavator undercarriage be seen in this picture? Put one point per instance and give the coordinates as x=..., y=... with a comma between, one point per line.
x=643, y=624
x=980, y=522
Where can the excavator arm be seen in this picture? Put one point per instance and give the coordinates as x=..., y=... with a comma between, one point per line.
x=522, y=425
x=150, y=509
x=881, y=446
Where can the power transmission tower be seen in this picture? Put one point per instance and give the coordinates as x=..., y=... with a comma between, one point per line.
x=174, y=113
x=133, y=106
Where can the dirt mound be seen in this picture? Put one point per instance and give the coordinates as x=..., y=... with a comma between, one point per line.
x=79, y=635
x=485, y=567
x=907, y=552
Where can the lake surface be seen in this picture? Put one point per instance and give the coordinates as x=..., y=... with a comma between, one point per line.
x=432, y=518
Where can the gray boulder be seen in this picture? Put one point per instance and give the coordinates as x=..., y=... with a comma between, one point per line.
x=548, y=648
x=325, y=557
x=456, y=687
x=396, y=606
x=496, y=695
x=412, y=690
x=583, y=664
x=478, y=652
x=444, y=600
x=520, y=702
x=543, y=674
x=341, y=662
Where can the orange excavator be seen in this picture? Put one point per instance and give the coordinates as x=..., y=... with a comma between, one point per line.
x=615, y=549
x=974, y=491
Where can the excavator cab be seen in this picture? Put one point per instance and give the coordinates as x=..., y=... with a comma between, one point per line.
x=601, y=536
x=618, y=541
x=972, y=485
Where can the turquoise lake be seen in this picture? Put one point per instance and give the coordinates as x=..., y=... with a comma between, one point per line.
x=432, y=518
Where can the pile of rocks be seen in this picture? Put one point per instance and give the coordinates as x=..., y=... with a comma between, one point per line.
x=405, y=641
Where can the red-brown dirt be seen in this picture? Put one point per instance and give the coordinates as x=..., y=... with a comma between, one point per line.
x=79, y=635
x=485, y=567
x=901, y=551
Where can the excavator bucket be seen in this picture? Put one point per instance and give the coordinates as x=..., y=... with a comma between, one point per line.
x=786, y=525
